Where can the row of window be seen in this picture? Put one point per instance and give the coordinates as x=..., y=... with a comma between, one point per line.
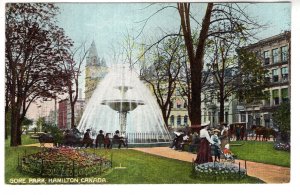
x=284, y=94
x=278, y=54
x=284, y=74
x=179, y=119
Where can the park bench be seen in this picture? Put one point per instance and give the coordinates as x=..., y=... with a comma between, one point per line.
x=114, y=141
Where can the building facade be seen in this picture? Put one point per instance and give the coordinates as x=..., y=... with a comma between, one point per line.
x=95, y=71
x=64, y=113
x=274, y=53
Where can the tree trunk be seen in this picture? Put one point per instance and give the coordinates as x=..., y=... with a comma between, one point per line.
x=13, y=127
x=72, y=114
x=13, y=114
x=165, y=117
x=196, y=98
x=195, y=58
x=6, y=125
x=222, y=101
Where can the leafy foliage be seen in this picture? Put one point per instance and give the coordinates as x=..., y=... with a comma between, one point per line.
x=35, y=48
x=253, y=79
x=282, y=118
x=163, y=73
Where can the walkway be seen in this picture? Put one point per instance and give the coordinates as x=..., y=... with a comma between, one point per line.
x=265, y=172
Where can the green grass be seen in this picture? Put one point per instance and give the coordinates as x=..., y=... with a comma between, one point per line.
x=258, y=151
x=25, y=140
x=141, y=168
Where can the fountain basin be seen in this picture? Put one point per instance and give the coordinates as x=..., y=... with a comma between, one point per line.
x=123, y=105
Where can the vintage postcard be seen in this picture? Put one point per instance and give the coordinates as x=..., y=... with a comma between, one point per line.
x=147, y=93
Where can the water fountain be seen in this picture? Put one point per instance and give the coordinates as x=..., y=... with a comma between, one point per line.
x=122, y=102
x=123, y=105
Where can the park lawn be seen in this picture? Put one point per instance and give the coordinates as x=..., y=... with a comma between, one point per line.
x=25, y=140
x=141, y=168
x=259, y=151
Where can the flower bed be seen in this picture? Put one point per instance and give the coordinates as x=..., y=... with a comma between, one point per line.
x=63, y=162
x=219, y=171
x=282, y=146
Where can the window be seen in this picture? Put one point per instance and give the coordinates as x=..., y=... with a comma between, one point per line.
x=172, y=120
x=284, y=53
x=285, y=94
x=185, y=120
x=257, y=121
x=171, y=104
x=275, y=75
x=275, y=97
x=185, y=104
x=267, y=100
x=284, y=74
x=178, y=120
x=275, y=57
x=178, y=103
x=266, y=57
x=226, y=117
x=177, y=92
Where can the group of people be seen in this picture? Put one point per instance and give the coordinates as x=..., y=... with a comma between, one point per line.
x=101, y=139
x=212, y=145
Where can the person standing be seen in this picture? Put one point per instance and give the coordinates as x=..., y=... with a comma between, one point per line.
x=216, y=145
x=238, y=133
x=204, y=152
x=224, y=136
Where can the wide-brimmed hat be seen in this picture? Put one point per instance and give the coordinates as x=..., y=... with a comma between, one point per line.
x=205, y=124
x=225, y=124
x=88, y=130
x=216, y=130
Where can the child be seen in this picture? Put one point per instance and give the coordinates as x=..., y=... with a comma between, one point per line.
x=227, y=153
x=216, y=145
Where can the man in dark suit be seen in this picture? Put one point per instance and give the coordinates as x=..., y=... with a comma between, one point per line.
x=100, y=139
x=87, y=139
x=118, y=139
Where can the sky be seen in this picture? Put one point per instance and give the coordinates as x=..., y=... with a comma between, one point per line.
x=109, y=23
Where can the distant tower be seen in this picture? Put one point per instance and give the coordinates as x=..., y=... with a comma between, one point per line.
x=95, y=71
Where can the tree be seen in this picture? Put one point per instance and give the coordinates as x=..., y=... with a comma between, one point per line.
x=35, y=48
x=253, y=78
x=72, y=68
x=282, y=119
x=218, y=20
x=235, y=76
x=40, y=124
x=162, y=74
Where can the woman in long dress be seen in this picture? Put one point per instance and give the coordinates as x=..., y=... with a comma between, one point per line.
x=204, y=152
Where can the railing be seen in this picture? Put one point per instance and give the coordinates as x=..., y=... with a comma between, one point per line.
x=147, y=137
